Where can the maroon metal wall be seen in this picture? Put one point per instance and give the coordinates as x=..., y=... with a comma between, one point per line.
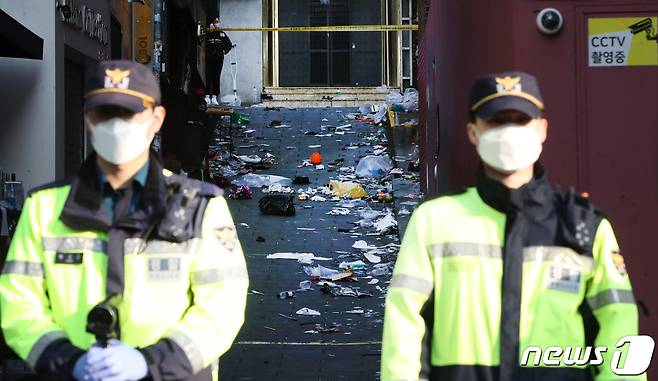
x=603, y=122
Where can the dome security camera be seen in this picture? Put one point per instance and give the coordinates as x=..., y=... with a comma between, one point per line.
x=550, y=21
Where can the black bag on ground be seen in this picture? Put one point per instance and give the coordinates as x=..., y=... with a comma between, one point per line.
x=277, y=205
x=301, y=180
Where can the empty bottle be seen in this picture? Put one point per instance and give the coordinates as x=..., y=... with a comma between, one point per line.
x=286, y=294
x=256, y=96
x=379, y=270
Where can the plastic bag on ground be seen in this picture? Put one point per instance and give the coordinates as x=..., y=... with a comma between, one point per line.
x=368, y=108
x=380, y=115
x=347, y=188
x=305, y=258
x=410, y=95
x=386, y=225
x=307, y=312
x=257, y=181
x=238, y=118
x=351, y=204
x=320, y=271
x=394, y=97
x=374, y=166
x=232, y=100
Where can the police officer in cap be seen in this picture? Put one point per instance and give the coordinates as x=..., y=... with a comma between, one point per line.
x=162, y=246
x=506, y=265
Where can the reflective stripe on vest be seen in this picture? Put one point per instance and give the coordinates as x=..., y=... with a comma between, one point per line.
x=23, y=268
x=41, y=344
x=530, y=254
x=611, y=296
x=216, y=275
x=189, y=347
x=139, y=246
x=74, y=244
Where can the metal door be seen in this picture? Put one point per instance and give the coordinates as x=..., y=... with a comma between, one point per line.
x=618, y=153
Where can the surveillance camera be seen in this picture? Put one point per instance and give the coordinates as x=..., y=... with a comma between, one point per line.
x=550, y=21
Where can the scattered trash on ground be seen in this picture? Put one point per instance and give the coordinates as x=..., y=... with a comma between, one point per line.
x=307, y=312
x=306, y=258
x=316, y=158
x=242, y=192
x=374, y=166
x=372, y=258
x=353, y=292
x=341, y=172
x=257, y=181
x=346, y=188
x=339, y=212
x=278, y=188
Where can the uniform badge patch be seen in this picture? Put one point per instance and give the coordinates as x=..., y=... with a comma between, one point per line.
x=164, y=269
x=68, y=258
x=117, y=78
x=563, y=278
x=619, y=262
x=227, y=236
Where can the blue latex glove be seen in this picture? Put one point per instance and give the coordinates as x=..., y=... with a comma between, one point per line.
x=117, y=362
x=81, y=370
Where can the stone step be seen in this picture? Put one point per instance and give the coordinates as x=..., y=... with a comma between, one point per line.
x=326, y=90
x=327, y=97
x=309, y=97
x=311, y=104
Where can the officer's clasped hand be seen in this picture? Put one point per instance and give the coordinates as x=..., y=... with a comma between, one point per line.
x=117, y=362
x=81, y=370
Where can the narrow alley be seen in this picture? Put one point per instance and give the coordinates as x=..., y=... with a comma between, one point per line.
x=343, y=342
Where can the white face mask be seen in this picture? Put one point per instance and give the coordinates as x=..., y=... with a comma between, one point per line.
x=119, y=141
x=510, y=147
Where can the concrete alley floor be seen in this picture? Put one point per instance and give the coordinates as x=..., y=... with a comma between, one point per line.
x=272, y=344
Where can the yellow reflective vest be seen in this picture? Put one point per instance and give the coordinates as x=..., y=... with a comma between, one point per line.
x=183, y=301
x=488, y=273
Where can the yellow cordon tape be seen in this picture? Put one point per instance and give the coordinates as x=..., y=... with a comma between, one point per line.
x=335, y=28
x=311, y=344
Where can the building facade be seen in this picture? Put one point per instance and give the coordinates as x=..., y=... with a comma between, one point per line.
x=317, y=59
x=43, y=135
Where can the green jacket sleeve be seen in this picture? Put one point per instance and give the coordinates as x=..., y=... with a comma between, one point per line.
x=610, y=297
x=405, y=346
x=219, y=290
x=25, y=313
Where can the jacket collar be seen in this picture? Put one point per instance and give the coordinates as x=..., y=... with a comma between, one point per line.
x=82, y=209
x=532, y=197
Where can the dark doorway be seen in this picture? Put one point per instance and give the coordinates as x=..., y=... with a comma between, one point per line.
x=335, y=58
x=74, y=136
x=116, y=38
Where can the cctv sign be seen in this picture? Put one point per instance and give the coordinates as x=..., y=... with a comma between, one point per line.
x=635, y=350
x=627, y=41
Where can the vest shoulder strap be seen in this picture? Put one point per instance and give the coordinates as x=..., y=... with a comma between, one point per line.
x=186, y=203
x=579, y=219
